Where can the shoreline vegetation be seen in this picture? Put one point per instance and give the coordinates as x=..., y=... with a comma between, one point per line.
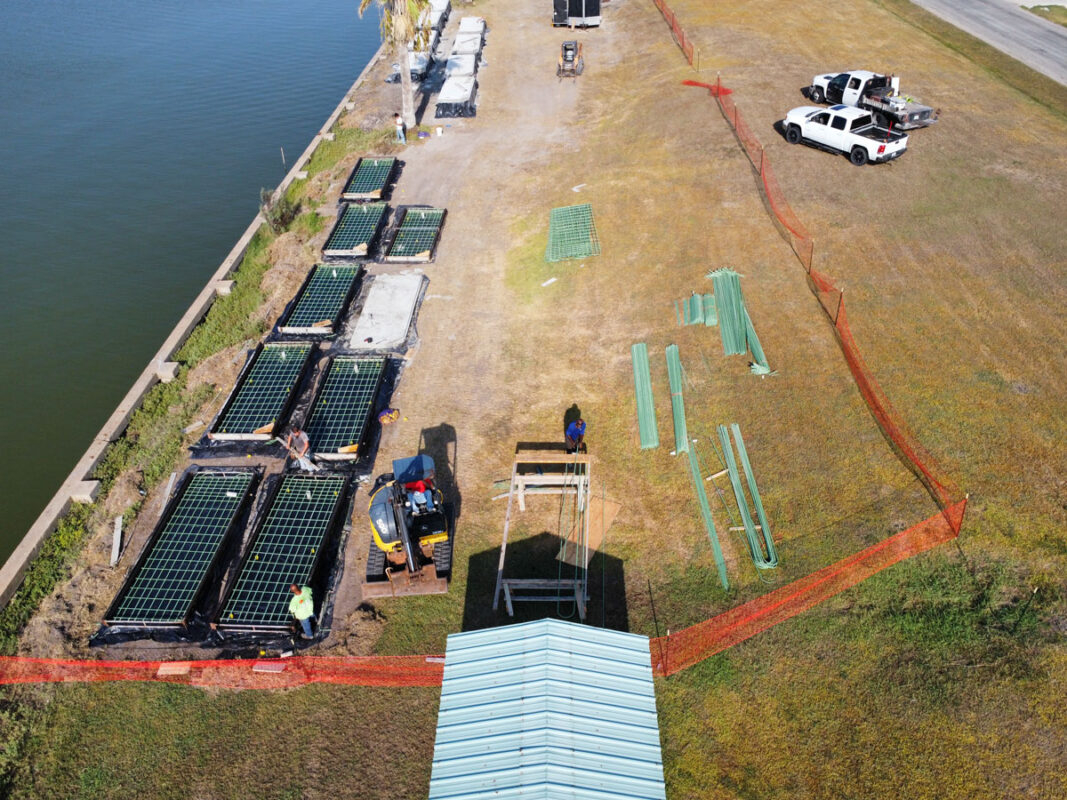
x=960, y=650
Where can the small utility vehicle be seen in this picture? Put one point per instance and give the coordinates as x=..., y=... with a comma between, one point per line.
x=842, y=129
x=571, y=64
x=879, y=94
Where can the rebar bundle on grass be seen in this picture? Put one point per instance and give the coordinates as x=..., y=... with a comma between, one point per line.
x=674, y=375
x=681, y=445
x=646, y=411
x=730, y=305
x=764, y=554
x=735, y=325
x=697, y=309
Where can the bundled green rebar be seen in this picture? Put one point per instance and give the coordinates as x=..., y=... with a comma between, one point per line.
x=730, y=306
x=674, y=375
x=759, y=361
x=705, y=513
x=646, y=411
x=760, y=544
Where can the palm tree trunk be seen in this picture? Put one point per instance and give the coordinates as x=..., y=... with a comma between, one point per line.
x=407, y=99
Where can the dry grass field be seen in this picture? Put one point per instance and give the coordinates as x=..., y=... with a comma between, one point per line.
x=942, y=676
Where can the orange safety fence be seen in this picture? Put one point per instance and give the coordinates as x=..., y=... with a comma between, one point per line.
x=267, y=673
x=684, y=42
x=676, y=651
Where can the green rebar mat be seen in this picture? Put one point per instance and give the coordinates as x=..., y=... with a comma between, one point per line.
x=571, y=233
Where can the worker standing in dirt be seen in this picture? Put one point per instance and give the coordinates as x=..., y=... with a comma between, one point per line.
x=302, y=607
x=399, y=122
x=576, y=436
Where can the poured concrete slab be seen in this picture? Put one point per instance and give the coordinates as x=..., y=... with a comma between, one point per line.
x=388, y=311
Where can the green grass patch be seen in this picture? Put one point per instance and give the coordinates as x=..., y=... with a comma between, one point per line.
x=308, y=224
x=163, y=741
x=49, y=567
x=346, y=141
x=1057, y=14
x=231, y=318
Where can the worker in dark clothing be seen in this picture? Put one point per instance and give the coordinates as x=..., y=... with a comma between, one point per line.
x=576, y=436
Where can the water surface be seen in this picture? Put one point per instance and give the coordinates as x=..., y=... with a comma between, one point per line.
x=134, y=140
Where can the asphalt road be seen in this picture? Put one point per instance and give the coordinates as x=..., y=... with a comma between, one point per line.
x=1036, y=42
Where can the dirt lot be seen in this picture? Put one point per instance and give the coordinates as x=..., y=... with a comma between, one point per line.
x=952, y=260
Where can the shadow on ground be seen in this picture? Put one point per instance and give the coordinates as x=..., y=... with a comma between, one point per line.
x=537, y=557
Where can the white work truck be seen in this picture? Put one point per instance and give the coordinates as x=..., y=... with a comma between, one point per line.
x=879, y=94
x=843, y=129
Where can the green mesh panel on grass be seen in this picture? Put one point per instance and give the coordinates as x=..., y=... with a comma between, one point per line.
x=646, y=410
x=571, y=233
x=757, y=540
x=674, y=375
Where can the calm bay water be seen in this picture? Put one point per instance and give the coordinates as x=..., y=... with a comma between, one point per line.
x=134, y=140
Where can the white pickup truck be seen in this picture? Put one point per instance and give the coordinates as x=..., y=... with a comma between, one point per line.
x=879, y=94
x=844, y=129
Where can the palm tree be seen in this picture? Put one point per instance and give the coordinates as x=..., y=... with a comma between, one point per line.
x=399, y=20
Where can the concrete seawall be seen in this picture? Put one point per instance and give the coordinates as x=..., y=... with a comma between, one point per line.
x=79, y=487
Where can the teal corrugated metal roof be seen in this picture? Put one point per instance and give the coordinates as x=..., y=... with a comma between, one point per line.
x=547, y=710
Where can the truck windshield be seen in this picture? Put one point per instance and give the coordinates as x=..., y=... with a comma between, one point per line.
x=840, y=81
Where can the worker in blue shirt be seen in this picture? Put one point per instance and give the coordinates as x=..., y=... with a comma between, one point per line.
x=576, y=436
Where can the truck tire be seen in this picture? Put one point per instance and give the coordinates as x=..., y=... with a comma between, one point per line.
x=816, y=95
x=793, y=135
x=881, y=119
x=858, y=156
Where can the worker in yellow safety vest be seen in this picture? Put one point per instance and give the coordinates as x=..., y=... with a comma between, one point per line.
x=302, y=606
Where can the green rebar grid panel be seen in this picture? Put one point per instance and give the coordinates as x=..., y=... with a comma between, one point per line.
x=417, y=235
x=165, y=583
x=646, y=410
x=285, y=551
x=355, y=231
x=343, y=406
x=369, y=179
x=321, y=300
x=762, y=559
x=571, y=233
x=263, y=393
x=674, y=375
